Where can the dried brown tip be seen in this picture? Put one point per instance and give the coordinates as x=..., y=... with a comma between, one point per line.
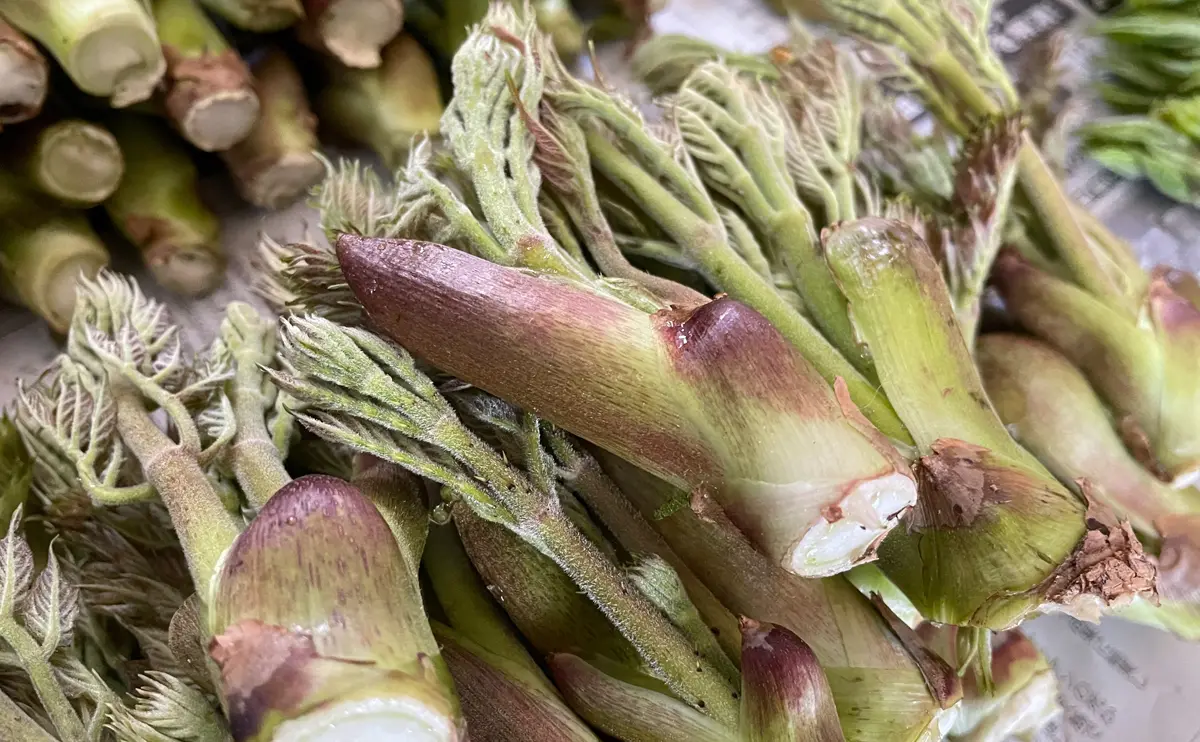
x=1108, y=568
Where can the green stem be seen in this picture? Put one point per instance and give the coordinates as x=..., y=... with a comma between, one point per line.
x=108, y=48
x=588, y=480
x=791, y=238
x=704, y=242
x=35, y=662
x=205, y=528
x=1057, y=214
x=256, y=461
x=847, y=204
x=540, y=518
x=692, y=678
x=157, y=207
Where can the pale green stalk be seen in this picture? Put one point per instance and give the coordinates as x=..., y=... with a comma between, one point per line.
x=109, y=48
x=158, y=208
x=257, y=462
x=75, y=161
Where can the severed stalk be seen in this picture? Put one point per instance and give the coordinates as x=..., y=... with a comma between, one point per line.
x=24, y=76
x=276, y=163
x=386, y=107
x=312, y=637
x=109, y=48
x=44, y=250
x=77, y=162
x=353, y=31
x=1002, y=535
x=260, y=16
x=158, y=209
x=209, y=93
x=721, y=399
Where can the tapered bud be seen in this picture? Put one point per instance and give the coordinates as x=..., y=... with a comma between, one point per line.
x=500, y=703
x=711, y=398
x=312, y=637
x=627, y=709
x=785, y=696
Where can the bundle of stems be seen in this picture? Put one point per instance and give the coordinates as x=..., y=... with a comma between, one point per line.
x=1151, y=72
x=109, y=48
x=352, y=31
x=45, y=248
x=384, y=108
x=276, y=162
x=209, y=95
x=701, y=422
x=158, y=208
x=72, y=160
x=1082, y=268
x=365, y=393
x=1053, y=412
x=24, y=76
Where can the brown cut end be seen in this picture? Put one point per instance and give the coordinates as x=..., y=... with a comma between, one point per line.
x=24, y=76
x=210, y=98
x=186, y=269
x=1107, y=568
x=943, y=681
x=955, y=484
